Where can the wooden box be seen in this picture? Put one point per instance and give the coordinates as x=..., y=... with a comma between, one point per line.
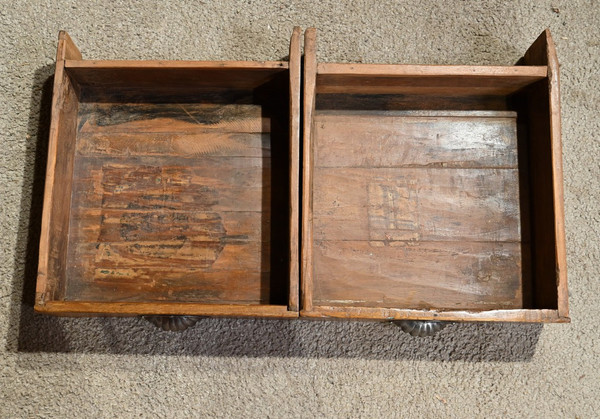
x=172, y=188
x=433, y=192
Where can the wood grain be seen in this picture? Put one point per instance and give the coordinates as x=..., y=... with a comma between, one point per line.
x=195, y=200
x=391, y=314
x=309, y=95
x=55, y=217
x=425, y=80
x=417, y=209
x=548, y=231
x=416, y=204
x=86, y=308
x=418, y=274
x=415, y=139
x=294, y=168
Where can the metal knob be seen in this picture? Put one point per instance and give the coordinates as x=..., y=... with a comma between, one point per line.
x=420, y=328
x=173, y=323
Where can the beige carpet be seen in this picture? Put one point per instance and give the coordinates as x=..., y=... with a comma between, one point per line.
x=52, y=367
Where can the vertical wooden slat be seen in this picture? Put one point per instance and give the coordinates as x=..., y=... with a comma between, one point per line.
x=55, y=218
x=310, y=78
x=549, y=261
x=294, y=165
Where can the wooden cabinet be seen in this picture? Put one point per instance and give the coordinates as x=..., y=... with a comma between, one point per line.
x=427, y=193
x=172, y=188
x=433, y=192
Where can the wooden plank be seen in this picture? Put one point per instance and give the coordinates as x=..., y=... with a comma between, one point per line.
x=181, y=145
x=55, y=217
x=309, y=94
x=549, y=262
x=70, y=308
x=418, y=275
x=409, y=102
x=233, y=184
x=412, y=139
x=162, y=64
x=99, y=225
x=145, y=284
x=399, y=204
x=472, y=72
x=294, y=168
x=192, y=75
x=390, y=314
x=424, y=79
x=186, y=118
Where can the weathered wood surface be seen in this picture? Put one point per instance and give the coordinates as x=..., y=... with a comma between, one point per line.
x=423, y=79
x=547, y=196
x=94, y=308
x=417, y=210
x=309, y=99
x=295, y=76
x=61, y=145
x=172, y=202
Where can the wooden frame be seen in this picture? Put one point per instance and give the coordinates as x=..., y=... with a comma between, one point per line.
x=157, y=168
x=527, y=95
x=144, y=94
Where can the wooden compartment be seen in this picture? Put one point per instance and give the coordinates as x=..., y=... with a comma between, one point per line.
x=433, y=192
x=172, y=188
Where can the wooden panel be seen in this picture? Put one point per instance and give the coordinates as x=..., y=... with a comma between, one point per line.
x=310, y=73
x=390, y=314
x=412, y=102
x=172, y=202
x=417, y=209
x=187, y=118
x=55, y=218
x=418, y=274
x=548, y=235
x=82, y=308
x=152, y=183
x=411, y=79
x=416, y=204
x=106, y=75
x=414, y=139
x=294, y=169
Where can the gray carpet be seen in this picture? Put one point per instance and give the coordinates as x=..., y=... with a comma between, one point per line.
x=51, y=367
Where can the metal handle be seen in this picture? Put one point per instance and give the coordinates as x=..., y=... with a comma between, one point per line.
x=173, y=323
x=420, y=328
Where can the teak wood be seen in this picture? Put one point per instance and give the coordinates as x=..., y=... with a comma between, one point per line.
x=172, y=188
x=427, y=192
x=433, y=192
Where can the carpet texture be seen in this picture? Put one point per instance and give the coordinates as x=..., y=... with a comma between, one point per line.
x=53, y=367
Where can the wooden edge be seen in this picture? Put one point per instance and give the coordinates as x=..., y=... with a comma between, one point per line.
x=152, y=64
x=543, y=51
x=66, y=49
x=559, y=209
x=309, y=78
x=389, y=314
x=294, y=167
x=383, y=70
x=69, y=308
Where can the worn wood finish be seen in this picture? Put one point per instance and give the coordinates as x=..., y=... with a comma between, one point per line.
x=295, y=65
x=390, y=314
x=309, y=95
x=548, y=230
x=425, y=80
x=176, y=188
x=92, y=308
x=418, y=193
x=172, y=202
x=55, y=219
x=389, y=214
